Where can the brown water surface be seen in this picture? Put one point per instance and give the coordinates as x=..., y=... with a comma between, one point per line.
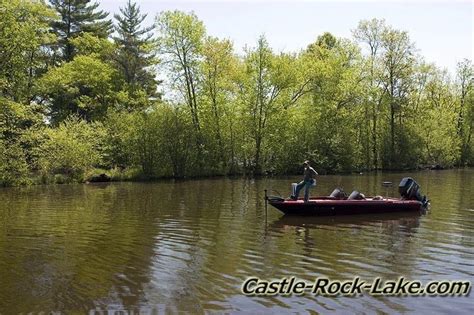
x=188, y=246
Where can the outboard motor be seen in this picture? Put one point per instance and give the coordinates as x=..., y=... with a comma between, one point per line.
x=410, y=190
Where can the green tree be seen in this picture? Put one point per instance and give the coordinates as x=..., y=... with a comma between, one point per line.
x=72, y=148
x=327, y=41
x=158, y=142
x=88, y=44
x=119, y=126
x=83, y=87
x=13, y=166
x=397, y=61
x=77, y=16
x=433, y=104
x=331, y=122
x=177, y=141
x=270, y=86
x=180, y=41
x=134, y=55
x=218, y=69
x=465, y=110
x=20, y=135
x=370, y=32
x=23, y=33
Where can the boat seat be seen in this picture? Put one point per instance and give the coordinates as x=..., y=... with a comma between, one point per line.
x=355, y=195
x=338, y=193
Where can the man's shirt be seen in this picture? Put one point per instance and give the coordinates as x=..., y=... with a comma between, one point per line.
x=309, y=173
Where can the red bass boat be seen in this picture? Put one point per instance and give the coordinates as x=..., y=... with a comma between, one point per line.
x=338, y=203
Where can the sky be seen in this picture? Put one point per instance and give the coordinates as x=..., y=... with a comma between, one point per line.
x=442, y=30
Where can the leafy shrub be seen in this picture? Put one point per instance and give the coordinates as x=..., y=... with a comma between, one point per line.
x=72, y=148
x=61, y=179
x=13, y=167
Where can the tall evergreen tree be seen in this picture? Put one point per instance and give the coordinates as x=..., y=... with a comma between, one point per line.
x=78, y=16
x=134, y=56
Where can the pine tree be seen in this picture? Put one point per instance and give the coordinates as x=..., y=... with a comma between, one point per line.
x=78, y=16
x=134, y=57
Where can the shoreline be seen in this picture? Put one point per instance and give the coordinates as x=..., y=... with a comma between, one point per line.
x=38, y=181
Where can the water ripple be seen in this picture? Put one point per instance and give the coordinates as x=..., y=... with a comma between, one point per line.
x=174, y=247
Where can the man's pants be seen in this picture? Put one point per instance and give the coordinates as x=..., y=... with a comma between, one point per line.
x=306, y=186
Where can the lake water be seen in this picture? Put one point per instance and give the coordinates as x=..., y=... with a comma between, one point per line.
x=188, y=246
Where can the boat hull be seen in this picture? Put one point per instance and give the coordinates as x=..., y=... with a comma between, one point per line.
x=327, y=207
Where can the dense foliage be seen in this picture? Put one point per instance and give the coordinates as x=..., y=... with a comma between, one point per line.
x=80, y=96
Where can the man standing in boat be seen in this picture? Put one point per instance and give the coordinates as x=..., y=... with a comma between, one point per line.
x=307, y=182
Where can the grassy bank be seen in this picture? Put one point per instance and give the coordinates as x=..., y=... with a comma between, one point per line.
x=137, y=175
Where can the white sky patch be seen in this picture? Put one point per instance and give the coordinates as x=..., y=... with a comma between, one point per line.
x=441, y=30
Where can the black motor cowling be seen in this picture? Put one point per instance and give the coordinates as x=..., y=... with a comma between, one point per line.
x=410, y=190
